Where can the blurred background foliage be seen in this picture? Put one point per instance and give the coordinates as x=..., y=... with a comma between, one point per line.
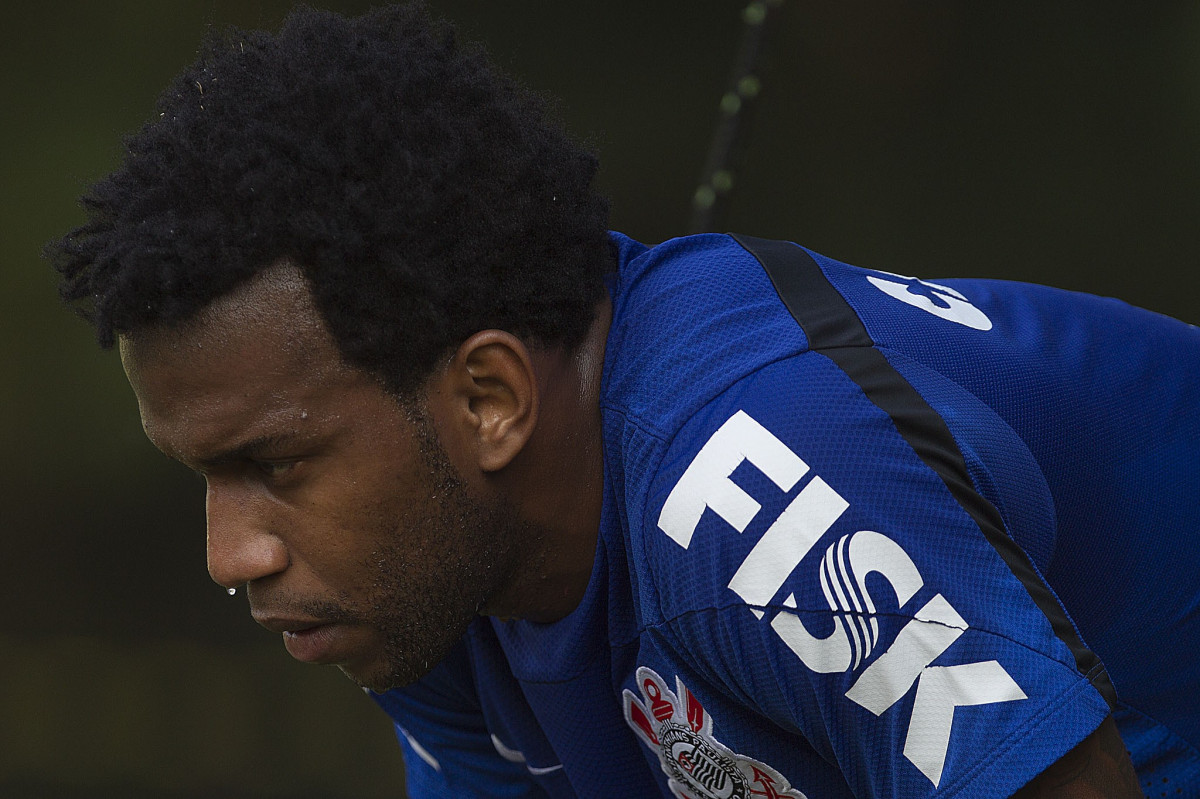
x=1048, y=141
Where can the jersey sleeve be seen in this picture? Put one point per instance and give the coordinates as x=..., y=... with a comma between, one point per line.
x=816, y=555
x=448, y=751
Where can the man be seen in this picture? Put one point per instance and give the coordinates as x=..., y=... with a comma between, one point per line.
x=718, y=518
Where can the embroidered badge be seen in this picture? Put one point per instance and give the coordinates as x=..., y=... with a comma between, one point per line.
x=678, y=729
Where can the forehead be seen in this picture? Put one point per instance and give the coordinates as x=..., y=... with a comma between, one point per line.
x=276, y=303
x=248, y=359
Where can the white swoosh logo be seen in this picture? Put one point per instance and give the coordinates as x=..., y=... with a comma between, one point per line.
x=516, y=756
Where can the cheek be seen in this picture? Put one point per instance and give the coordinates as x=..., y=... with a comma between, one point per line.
x=387, y=489
x=341, y=522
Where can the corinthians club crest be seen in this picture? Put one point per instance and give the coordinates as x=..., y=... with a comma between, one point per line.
x=679, y=730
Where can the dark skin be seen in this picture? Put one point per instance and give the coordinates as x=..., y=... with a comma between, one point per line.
x=369, y=530
x=1097, y=768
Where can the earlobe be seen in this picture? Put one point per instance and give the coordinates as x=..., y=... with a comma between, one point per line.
x=498, y=395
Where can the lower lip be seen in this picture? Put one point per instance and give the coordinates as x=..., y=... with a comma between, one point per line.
x=313, y=645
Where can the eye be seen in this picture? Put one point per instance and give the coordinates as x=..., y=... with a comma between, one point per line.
x=275, y=469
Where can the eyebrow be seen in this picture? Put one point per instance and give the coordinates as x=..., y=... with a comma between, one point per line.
x=254, y=448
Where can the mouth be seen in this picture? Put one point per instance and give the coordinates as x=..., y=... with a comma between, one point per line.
x=316, y=644
x=309, y=640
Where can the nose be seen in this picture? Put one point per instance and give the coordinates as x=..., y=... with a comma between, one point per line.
x=240, y=547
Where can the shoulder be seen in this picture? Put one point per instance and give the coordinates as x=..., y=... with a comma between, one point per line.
x=690, y=317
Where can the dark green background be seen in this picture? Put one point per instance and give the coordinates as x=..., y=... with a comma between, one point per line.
x=1054, y=142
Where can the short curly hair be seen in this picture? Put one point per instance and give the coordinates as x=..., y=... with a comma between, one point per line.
x=425, y=195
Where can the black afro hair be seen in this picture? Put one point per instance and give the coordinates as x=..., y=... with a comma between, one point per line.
x=425, y=195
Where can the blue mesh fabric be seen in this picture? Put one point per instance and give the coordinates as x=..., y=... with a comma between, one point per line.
x=1106, y=397
x=1076, y=417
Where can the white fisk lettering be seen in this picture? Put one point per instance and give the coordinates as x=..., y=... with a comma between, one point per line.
x=867, y=552
x=842, y=574
x=786, y=542
x=706, y=483
x=930, y=633
x=941, y=689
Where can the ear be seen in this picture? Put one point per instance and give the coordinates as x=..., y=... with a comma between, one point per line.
x=493, y=392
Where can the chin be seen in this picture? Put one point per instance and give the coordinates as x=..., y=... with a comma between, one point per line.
x=380, y=676
x=372, y=681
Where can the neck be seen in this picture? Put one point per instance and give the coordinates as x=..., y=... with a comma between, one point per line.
x=561, y=482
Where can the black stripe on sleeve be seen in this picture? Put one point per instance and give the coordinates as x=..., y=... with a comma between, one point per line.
x=834, y=329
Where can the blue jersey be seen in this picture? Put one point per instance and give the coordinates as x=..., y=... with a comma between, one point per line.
x=862, y=535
